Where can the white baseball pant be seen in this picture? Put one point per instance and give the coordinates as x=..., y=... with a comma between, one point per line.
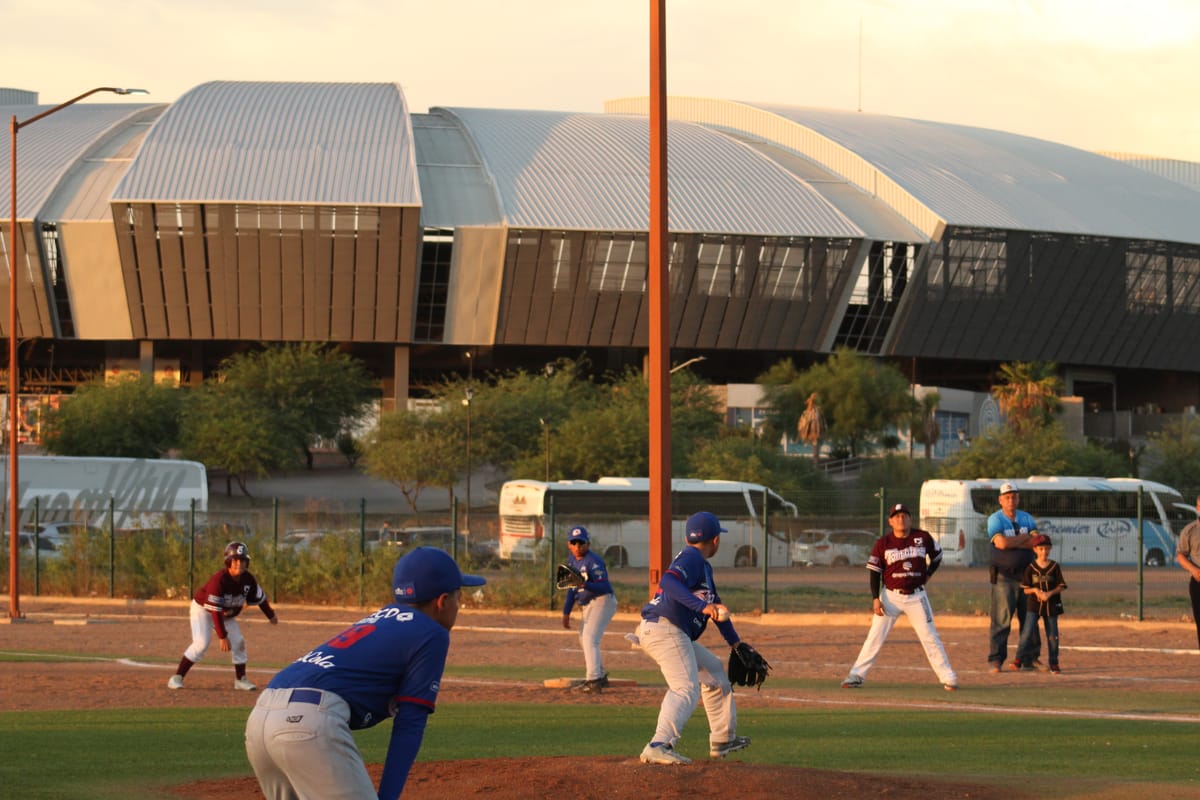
x=202, y=635
x=596, y=616
x=692, y=672
x=305, y=751
x=916, y=607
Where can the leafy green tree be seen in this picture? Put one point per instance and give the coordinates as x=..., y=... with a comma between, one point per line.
x=1007, y=453
x=1174, y=455
x=741, y=456
x=507, y=410
x=228, y=429
x=128, y=418
x=415, y=450
x=1028, y=394
x=313, y=391
x=613, y=438
x=861, y=398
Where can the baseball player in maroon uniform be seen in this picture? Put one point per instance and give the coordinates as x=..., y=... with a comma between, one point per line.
x=215, y=607
x=902, y=561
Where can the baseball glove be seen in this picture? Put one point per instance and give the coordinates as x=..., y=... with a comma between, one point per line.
x=566, y=577
x=747, y=667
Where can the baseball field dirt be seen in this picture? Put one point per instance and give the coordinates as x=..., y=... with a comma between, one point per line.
x=151, y=635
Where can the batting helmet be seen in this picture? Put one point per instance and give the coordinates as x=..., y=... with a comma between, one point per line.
x=236, y=550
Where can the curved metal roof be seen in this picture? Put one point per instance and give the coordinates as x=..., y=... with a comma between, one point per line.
x=975, y=177
x=456, y=189
x=262, y=142
x=51, y=147
x=591, y=172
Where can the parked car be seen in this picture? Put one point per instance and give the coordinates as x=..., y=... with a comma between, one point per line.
x=832, y=548
x=440, y=536
x=53, y=537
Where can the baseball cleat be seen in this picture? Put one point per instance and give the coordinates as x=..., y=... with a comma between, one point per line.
x=950, y=687
x=244, y=685
x=852, y=682
x=722, y=749
x=175, y=682
x=662, y=754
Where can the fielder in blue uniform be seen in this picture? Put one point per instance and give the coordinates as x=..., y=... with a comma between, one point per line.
x=298, y=737
x=671, y=623
x=597, y=601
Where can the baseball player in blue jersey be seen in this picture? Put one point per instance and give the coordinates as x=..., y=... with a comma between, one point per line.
x=298, y=737
x=671, y=623
x=597, y=601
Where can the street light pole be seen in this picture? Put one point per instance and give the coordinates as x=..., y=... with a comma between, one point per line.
x=546, y=428
x=14, y=509
x=470, y=393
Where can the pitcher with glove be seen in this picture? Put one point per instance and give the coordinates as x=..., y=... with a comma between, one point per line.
x=671, y=624
x=585, y=577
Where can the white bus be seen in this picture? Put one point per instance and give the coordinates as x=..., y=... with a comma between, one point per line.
x=1091, y=521
x=616, y=512
x=78, y=489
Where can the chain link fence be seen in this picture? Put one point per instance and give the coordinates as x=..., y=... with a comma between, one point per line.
x=344, y=555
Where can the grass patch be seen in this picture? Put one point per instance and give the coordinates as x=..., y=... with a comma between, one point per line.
x=137, y=752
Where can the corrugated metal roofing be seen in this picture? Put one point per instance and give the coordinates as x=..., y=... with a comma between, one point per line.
x=85, y=193
x=1185, y=172
x=984, y=178
x=876, y=218
x=591, y=172
x=262, y=142
x=456, y=189
x=50, y=147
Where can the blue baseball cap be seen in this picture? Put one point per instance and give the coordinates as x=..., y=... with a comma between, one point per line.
x=425, y=573
x=579, y=534
x=702, y=527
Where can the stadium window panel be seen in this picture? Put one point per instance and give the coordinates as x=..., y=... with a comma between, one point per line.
x=616, y=262
x=976, y=262
x=433, y=288
x=781, y=270
x=718, y=262
x=1145, y=281
x=1185, y=283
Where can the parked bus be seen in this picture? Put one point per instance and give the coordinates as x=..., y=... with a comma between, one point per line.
x=616, y=513
x=1091, y=521
x=78, y=489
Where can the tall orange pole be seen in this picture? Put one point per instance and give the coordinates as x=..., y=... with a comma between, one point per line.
x=14, y=490
x=658, y=369
x=14, y=523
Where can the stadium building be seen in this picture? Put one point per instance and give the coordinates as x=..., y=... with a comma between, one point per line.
x=163, y=238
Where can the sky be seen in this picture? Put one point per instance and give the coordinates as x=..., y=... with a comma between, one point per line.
x=1109, y=75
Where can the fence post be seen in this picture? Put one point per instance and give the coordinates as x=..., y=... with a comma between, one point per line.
x=362, y=551
x=883, y=523
x=275, y=548
x=1141, y=577
x=37, y=562
x=454, y=527
x=112, y=550
x=192, y=549
x=551, y=553
x=766, y=549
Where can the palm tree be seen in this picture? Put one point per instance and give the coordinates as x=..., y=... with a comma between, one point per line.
x=811, y=426
x=1028, y=395
x=923, y=426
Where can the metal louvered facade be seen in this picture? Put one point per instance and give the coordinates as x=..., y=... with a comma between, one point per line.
x=274, y=212
x=249, y=212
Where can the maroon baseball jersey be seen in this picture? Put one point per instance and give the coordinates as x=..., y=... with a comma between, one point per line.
x=226, y=596
x=905, y=562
